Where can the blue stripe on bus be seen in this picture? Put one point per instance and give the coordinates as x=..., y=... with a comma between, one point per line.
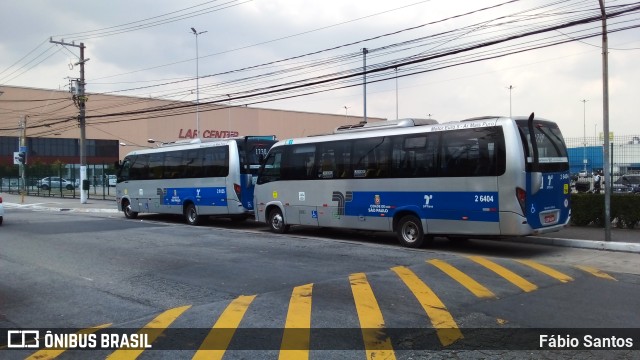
x=444, y=205
x=202, y=196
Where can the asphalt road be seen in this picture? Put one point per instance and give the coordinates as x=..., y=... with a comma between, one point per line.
x=353, y=294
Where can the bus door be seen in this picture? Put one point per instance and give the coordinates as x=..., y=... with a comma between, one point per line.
x=245, y=190
x=304, y=186
x=548, y=180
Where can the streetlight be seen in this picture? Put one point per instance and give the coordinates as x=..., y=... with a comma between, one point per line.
x=196, y=33
x=345, y=113
x=511, y=87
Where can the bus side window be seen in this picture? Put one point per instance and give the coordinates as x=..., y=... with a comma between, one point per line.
x=139, y=168
x=328, y=167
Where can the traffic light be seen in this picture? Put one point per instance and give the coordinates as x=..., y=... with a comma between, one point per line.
x=22, y=157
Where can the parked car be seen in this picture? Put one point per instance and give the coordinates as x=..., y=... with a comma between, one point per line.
x=1, y=210
x=55, y=182
x=112, y=180
x=627, y=184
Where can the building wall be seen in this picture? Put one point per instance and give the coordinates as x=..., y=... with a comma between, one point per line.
x=52, y=113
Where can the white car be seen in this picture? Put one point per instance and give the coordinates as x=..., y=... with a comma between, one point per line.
x=1, y=211
x=112, y=180
x=54, y=182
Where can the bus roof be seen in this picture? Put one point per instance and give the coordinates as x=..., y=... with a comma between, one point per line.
x=396, y=130
x=197, y=143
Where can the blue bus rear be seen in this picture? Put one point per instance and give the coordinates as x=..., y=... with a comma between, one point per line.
x=252, y=150
x=546, y=200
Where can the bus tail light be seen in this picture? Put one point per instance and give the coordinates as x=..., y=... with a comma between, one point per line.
x=237, y=188
x=521, y=195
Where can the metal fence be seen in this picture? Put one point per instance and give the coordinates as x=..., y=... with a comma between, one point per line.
x=586, y=157
x=59, y=180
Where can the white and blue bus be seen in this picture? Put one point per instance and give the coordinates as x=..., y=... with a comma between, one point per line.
x=482, y=177
x=200, y=178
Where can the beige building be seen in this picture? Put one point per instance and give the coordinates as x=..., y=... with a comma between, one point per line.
x=131, y=121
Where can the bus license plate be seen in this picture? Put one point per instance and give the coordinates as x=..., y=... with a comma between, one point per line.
x=549, y=218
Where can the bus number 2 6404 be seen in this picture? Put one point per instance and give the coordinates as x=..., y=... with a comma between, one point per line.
x=484, y=198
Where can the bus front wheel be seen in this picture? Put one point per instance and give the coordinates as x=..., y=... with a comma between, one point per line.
x=276, y=222
x=191, y=215
x=128, y=212
x=409, y=231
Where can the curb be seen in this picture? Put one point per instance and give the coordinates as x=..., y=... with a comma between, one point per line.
x=583, y=244
x=9, y=205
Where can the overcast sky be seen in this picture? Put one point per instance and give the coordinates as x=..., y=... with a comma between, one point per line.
x=137, y=45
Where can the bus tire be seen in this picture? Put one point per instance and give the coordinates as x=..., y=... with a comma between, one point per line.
x=276, y=221
x=191, y=215
x=126, y=209
x=409, y=231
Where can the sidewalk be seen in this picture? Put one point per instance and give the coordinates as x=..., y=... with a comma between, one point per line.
x=625, y=240
x=52, y=203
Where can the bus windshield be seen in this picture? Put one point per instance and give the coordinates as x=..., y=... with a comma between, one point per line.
x=552, y=151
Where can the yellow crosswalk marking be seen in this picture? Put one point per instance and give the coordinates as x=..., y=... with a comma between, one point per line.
x=297, y=328
x=377, y=343
x=216, y=342
x=547, y=270
x=476, y=288
x=507, y=274
x=54, y=353
x=153, y=329
x=446, y=327
x=596, y=272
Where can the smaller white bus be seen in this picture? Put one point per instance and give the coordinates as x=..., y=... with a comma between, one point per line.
x=213, y=177
x=482, y=177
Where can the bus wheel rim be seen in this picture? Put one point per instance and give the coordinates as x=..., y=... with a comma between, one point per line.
x=410, y=232
x=277, y=221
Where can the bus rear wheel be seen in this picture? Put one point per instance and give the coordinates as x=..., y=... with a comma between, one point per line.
x=128, y=212
x=191, y=215
x=276, y=222
x=409, y=231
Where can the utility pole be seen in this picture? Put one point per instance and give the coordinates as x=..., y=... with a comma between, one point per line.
x=23, y=146
x=605, y=125
x=364, y=82
x=81, y=103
